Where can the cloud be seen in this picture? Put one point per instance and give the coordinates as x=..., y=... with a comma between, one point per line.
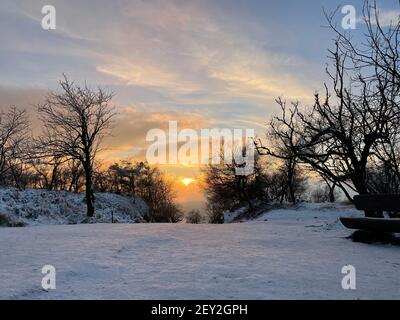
x=386, y=17
x=185, y=49
x=23, y=98
x=146, y=76
x=183, y=52
x=132, y=124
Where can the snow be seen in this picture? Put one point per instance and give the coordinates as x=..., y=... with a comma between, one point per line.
x=230, y=216
x=288, y=253
x=43, y=207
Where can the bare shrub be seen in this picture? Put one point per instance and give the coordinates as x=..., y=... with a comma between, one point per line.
x=194, y=217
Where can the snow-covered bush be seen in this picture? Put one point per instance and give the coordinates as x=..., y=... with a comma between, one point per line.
x=7, y=221
x=60, y=207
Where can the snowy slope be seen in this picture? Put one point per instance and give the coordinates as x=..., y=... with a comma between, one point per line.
x=296, y=254
x=37, y=207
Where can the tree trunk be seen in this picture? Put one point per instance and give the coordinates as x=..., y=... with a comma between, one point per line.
x=292, y=196
x=247, y=199
x=359, y=181
x=332, y=195
x=332, y=192
x=362, y=189
x=54, y=173
x=290, y=177
x=89, y=191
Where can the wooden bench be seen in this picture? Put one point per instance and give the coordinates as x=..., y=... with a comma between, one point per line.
x=374, y=206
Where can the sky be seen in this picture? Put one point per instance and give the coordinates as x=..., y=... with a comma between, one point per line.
x=203, y=63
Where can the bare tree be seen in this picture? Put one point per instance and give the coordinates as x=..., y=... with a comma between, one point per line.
x=215, y=212
x=194, y=217
x=357, y=121
x=47, y=170
x=330, y=188
x=144, y=181
x=73, y=174
x=158, y=192
x=75, y=122
x=284, y=138
x=14, y=127
x=227, y=190
x=121, y=178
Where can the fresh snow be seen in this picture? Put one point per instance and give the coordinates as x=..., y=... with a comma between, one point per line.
x=284, y=254
x=38, y=207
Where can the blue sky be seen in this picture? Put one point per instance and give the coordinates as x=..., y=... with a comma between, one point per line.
x=204, y=63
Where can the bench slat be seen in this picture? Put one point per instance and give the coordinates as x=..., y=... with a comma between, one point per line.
x=372, y=224
x=378, y=202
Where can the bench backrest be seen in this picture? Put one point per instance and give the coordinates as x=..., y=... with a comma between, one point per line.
x=378, y=202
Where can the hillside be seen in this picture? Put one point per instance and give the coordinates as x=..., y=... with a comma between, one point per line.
x=42, y=207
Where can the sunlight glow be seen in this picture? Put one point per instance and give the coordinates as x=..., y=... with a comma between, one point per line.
x=187, y=181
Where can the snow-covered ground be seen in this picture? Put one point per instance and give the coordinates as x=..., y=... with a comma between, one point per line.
x=284, y=254
x=43, y=207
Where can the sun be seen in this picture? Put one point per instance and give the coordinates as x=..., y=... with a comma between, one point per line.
x=187, y=181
